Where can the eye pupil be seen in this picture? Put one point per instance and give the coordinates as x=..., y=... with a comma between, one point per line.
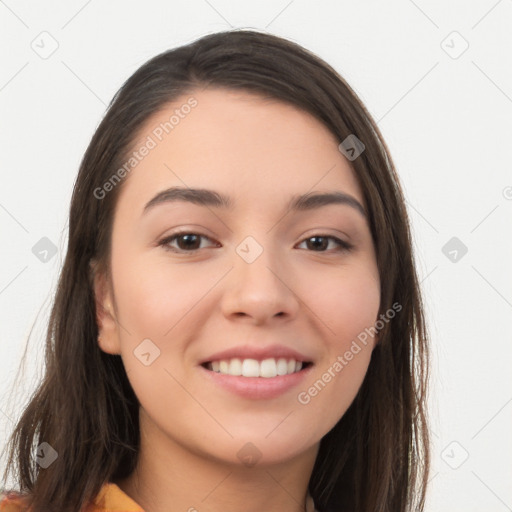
x=187, y=237
x=317, y=244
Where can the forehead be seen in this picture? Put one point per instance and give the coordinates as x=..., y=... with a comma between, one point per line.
x=258, y=150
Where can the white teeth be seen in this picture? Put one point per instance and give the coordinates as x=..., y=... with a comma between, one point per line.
x=235, y=367
x=268, y=368
x=252, y=368
x=282, y=366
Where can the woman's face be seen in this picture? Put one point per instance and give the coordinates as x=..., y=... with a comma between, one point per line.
x=257, y=275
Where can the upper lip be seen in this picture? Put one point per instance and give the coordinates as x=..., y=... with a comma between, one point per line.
x=259, y=353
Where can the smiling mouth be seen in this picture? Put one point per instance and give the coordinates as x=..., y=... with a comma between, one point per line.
x=267, y=368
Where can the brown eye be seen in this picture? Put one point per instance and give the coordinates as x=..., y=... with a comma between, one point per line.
x=319, y=243
x=185, y=242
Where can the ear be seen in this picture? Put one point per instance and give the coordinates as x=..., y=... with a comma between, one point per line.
x=108, y=330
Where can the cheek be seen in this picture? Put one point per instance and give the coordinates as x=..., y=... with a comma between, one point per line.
x=347, y=302
x=156, y=302
x=152, y=298
x=349, y=305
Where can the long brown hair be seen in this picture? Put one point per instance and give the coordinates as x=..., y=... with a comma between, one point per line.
x=376, y=458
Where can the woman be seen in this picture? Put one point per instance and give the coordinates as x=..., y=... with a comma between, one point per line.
x=238, y=322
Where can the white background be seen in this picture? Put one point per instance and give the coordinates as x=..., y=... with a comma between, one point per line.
x=446, y=116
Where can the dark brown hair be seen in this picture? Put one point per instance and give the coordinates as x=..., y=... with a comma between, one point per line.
x=376, y=458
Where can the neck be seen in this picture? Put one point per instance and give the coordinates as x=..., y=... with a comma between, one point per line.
x=170, y=478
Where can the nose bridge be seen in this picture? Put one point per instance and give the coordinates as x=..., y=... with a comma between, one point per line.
x=260, y=284
x=257, y=262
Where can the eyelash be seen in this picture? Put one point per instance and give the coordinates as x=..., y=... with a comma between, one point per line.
x=344, y=246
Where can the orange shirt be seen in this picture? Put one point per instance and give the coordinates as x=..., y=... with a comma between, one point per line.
x=110, y=499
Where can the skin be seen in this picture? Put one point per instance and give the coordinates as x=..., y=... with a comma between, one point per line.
x=191, y=305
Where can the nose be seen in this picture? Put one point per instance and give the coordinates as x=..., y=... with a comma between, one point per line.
x=260, y=291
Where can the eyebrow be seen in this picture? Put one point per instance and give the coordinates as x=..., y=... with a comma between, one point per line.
x=206, y=197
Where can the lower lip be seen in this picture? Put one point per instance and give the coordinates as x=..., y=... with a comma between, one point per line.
x=257, y=387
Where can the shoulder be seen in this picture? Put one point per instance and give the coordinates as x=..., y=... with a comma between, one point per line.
x=12, y=502
x=110, y=499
